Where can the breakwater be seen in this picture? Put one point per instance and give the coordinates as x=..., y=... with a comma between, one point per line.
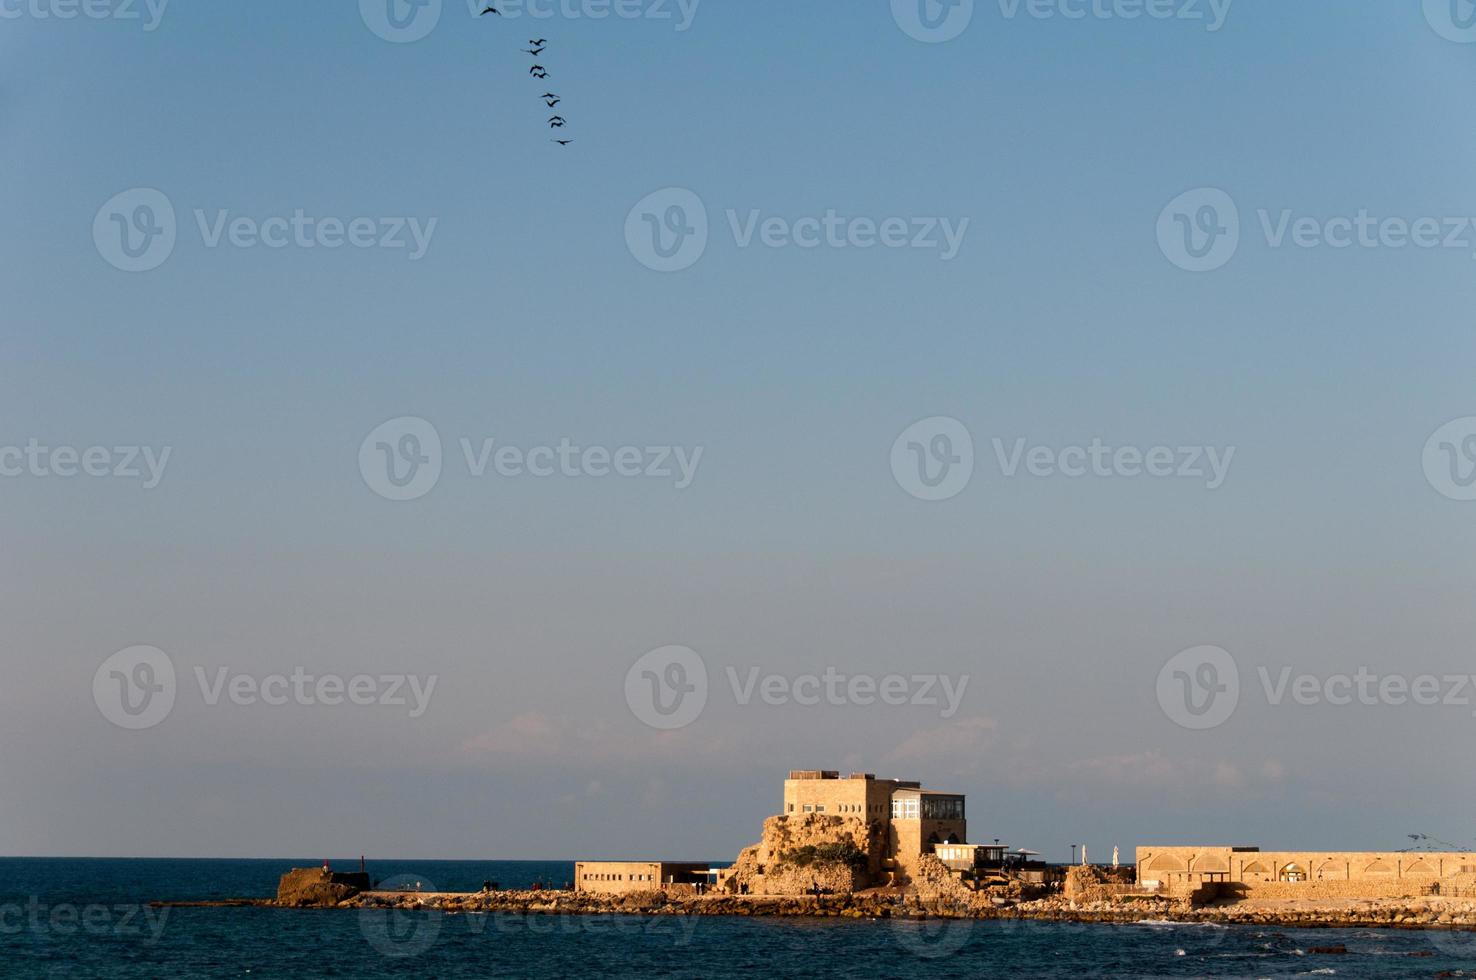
x=1424, y=913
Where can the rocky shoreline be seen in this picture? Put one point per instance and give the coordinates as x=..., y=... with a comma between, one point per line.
x=320, y=889
x=1386, y=914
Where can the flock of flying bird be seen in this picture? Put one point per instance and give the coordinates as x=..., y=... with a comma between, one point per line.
x=536, y=48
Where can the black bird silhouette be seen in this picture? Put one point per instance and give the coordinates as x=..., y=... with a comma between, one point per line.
x=558, y=122
x=539, y=41
x=491, y=10
x=549, y=95
x=553, y=102
x=561, y=142
x=537, y=72
x=535, y=52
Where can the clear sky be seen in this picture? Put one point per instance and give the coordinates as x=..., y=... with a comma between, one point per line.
x=1062, y=316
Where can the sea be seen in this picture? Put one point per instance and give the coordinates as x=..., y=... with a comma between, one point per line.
x=90, y=917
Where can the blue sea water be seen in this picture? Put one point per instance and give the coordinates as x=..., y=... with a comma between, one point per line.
x=77, y=917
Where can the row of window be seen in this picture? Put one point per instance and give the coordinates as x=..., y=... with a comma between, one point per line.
x=609, y=877
x=943, y=808
x=905, y=808
x=931, y=808
x=839, y=808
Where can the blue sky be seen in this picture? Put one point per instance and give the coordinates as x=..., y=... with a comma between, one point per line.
x=528, y=320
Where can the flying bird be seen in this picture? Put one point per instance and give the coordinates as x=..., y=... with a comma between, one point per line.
x=491, y=10
x=538, y=41
x=558, y=122
x=535, y=52
x=538, y=71
x=561, y=142
x=553, y=102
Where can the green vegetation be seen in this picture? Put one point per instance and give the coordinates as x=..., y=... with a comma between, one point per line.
x=838, y=852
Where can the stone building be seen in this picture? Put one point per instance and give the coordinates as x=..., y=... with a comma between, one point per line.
x=893, y=822
x=620, y=877
x=1249, y=872
x=907, y=820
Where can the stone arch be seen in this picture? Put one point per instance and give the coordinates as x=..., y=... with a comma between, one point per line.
x=1332, y=871
x=1292, y=871
x=1420, y=867
x=1378, y=868
x=1210, y=864
x=1165, y=862
x=1257, y=868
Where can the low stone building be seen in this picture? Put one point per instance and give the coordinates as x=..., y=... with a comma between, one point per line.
x=1249, y=872
x=624, y=877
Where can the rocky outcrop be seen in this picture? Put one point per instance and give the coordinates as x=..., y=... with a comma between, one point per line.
x=317, y=888
x=932, y=881
x=831, y=877
x=796, y=853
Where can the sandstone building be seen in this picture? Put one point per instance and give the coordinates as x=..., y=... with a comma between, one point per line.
x=906, y=820
x=832, y=832
x=1249, y=872
x=618, y=877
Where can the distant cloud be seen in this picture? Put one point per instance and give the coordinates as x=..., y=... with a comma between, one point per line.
x=537, y=737
x=926, y=749
x=1154, y=769
x=1142, y=769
